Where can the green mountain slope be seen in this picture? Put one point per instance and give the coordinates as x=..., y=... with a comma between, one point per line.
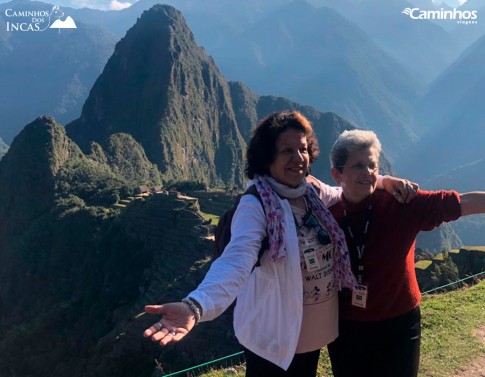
x=171, y=98
x=83, y=265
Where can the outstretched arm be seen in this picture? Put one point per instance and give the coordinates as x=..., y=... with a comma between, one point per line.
x=472, y=203
x=401, y=189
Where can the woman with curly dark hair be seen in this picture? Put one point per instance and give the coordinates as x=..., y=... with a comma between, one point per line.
x=287, y=307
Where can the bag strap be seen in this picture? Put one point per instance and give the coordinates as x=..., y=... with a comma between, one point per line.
x=252, y=190
x=314, y=182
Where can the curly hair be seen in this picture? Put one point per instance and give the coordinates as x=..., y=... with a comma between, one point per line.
x=261, y=151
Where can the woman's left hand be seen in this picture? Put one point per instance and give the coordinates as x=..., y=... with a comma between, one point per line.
x=403, y=190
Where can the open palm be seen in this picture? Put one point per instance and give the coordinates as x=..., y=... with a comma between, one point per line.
x=177, y=320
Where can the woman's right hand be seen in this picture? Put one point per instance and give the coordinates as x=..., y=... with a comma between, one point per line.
x=177, y=320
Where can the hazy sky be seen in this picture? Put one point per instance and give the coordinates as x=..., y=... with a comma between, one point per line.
x=121, y=4
x=94, y=4
x=451, y=3
x=100, y=4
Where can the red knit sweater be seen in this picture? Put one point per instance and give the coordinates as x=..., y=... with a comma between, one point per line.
x=388, y=257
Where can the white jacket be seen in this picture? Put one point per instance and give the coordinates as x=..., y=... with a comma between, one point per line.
x=269, y=309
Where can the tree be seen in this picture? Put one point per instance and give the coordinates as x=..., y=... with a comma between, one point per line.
x=445, y=272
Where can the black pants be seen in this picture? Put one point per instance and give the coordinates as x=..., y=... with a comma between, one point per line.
x=302, y=365
x=387, y=348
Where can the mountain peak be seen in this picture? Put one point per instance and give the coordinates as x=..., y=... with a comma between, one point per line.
x=28, y=170
x=42, y=146
x=165, y=91
x=166, y=11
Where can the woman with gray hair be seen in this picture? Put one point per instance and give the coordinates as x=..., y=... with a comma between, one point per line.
x=380, y=318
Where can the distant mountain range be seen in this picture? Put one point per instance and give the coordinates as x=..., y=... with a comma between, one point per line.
x=451, y=120
x=171, y=97
x=47, y=72
x=317, y=57
x=280, y=47
x=467, y=35
x=386, y=94
x=312, y=56
x=419, y=45
x=452, y=123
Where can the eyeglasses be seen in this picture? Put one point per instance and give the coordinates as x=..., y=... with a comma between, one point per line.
x=310, y=221
x=371, y=167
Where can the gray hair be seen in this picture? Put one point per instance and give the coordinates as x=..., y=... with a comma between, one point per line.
x=351, y=141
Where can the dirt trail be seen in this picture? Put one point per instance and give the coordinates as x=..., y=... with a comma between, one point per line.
x=477, y=367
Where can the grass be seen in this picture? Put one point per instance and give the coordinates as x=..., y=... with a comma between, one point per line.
x=423, y=264
x=214, y=218
x=448, y=322
x=474, y=248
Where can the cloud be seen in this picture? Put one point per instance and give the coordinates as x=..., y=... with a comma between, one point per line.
x=98, y=4
x=88, y=4
x=118, y=5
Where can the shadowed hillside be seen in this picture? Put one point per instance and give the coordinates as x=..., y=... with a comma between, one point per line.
x=75, y=270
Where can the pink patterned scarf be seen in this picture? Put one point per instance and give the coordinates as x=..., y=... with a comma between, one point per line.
x=276, y=231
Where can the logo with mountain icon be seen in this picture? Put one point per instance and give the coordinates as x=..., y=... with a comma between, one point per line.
x=38, y=20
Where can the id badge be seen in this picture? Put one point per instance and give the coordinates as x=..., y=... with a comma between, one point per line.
x=311, y=259
x=359, y=296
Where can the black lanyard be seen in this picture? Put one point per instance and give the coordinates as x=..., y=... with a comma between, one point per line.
x=359, y=239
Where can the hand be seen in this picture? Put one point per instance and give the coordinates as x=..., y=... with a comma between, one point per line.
x=176, y=322
x=403, y=190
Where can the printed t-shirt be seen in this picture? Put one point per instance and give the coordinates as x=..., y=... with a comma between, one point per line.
x=320, y=301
